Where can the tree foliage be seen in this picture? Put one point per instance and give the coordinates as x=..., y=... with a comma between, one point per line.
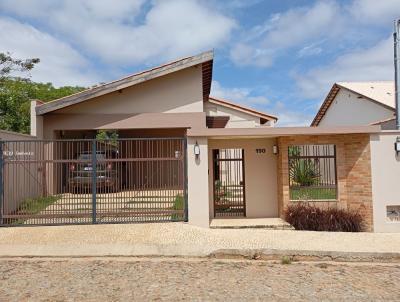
x=17, y=92
x=8, y=65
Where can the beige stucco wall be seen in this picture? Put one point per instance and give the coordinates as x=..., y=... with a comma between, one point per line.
x=346, y=110
x=260, y=175
x=171, y=101
x=36, y=122
x=53, y=122
x=180, y=91
x=385, y=167
x=198, y=189
x=17, y=176
x=237, y=119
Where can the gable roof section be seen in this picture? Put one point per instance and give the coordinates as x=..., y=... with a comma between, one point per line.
x=205, y=59
x=227, y=104
x=379, y=92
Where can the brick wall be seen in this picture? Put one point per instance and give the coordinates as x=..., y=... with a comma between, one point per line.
x=353, y=161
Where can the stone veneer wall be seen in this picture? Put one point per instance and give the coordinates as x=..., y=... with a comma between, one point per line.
x=353, y=160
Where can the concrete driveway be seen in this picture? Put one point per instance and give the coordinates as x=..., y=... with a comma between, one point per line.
x=123, y=201
x=180, y=239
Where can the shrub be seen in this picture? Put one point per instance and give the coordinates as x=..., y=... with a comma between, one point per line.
x=286, y=260
x=178, y=205
x=303, y=216
x=303, y=172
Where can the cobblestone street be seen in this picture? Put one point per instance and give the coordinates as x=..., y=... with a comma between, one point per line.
x=117, y=279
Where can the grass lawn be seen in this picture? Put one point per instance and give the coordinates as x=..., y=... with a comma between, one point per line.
x=32, y=206
x=305, y=193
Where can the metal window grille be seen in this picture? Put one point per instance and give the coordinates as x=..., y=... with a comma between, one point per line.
x=312, y=172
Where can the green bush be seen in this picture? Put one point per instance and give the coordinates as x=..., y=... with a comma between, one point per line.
x=303, y=216
x=179, y=204
x=286, y=260
x=303, y=172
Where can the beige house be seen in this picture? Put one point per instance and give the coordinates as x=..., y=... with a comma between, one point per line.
x=358, y=103
x=237, y=163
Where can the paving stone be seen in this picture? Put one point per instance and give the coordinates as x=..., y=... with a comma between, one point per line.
x=160, y=279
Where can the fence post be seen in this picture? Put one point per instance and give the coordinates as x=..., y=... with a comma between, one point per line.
x=94, y=178
x=185, y=163
x=1, y=182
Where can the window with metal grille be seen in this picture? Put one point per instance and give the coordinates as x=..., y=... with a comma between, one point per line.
x=312, y=172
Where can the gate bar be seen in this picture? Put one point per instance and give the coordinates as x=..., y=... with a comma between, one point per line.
x=185, y=179
x=1, y=182
x=94, y=176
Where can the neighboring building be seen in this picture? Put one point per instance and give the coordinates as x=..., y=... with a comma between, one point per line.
x=358, y=103
x=179, y=146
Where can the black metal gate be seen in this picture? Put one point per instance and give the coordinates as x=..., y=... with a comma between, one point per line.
x=92, y=181
x=229, y=182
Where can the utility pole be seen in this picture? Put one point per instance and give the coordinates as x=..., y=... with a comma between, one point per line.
x=396, y=38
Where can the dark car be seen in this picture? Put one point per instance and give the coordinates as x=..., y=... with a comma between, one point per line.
x=80, y=173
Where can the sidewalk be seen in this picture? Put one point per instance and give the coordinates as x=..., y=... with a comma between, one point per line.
x=180, y=239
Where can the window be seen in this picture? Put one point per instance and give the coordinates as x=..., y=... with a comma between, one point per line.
x=312, y=172
x=393, y=213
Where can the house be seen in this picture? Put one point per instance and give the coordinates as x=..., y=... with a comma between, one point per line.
x=184, y=155
x=358, y=103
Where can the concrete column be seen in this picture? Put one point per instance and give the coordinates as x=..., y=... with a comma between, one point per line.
x=198, y=203
x=36, y=121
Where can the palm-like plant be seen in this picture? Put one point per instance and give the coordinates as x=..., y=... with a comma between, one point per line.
x=303, y=172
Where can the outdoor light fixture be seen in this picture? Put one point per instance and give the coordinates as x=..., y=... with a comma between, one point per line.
x=275, y=149
x=397, y=146
x=196, y=150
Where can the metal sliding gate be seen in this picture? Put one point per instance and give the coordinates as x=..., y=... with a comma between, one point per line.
x=92, y=181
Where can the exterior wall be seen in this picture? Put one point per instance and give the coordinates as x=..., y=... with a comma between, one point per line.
x=385, y=179
x=177, y=92
x=198, y=183
x=36, y=122
x=237, y=119
x=353, y=161
x=54, y=122
x=28, y=173
x=260, y=175
x=14, y=136
x=347, y=107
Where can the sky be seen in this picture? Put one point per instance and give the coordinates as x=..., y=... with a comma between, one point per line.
x=277, y=56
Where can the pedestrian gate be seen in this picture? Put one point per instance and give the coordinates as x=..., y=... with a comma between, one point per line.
x=92, y=181
x=229, y=183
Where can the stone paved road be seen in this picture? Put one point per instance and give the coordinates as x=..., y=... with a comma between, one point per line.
x=133, y=279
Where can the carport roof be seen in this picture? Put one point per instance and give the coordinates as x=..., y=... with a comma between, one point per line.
x=280, y=131
x=205, y=59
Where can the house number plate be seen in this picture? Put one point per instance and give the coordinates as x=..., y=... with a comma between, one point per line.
x=260, y=150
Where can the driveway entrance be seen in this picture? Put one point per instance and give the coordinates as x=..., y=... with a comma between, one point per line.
x=93, y=181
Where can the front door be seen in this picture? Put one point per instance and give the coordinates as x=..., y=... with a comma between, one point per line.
x=229, y=183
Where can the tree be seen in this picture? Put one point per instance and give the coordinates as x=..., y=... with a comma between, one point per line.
x=16, y=93
x=9, y=65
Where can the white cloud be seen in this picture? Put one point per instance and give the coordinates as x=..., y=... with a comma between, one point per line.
x=310, y=50
x=242, y=96
x=287, y=117
x=292, y=118
x=373, y=11
x=115, y=33
x=374, y=63
x=60, y=63
x=290, y=29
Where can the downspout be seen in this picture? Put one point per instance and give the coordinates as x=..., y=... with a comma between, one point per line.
x=396, y=38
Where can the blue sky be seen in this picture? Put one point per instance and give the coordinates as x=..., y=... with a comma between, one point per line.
x=280, y=57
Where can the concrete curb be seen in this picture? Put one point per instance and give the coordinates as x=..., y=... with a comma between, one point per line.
x=301, y=255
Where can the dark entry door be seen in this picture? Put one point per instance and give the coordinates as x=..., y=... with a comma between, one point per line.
x=229, y=183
